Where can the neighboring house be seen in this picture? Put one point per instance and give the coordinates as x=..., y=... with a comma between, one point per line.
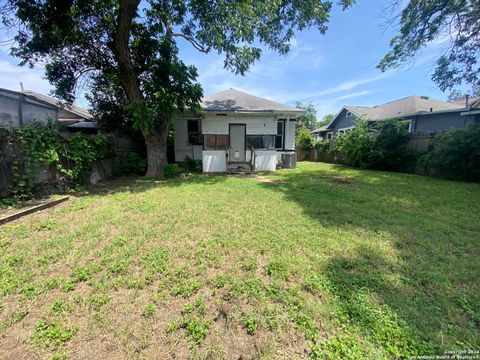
x=19, y=108
x=420, y=113
x=233, y=126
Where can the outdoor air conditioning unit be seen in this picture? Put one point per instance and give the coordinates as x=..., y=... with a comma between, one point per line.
x=289, y=160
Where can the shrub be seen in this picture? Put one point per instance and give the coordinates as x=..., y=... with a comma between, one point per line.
x=131, y=164
x=172, y=170
x=355, y=145
x=322, y=145
x=305, y=140
x=382, y=146
x=83, y=150
x=455, y=154
x=41, y=144
x=390, y=150
x=192, y=165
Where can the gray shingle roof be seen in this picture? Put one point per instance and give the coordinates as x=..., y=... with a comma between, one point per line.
x=403, y=107
x=232, y=100
x=320, y=129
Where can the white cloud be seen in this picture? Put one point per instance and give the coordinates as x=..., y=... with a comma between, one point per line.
x=355, y=94
x=32, y=79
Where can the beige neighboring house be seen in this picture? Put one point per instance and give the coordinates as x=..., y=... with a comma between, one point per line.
x=421, y=114
x=237, y=132
x=19, y=108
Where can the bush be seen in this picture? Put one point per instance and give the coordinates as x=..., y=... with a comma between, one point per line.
x=131, y=164
x=41, y=144
x=83, y=150
x=355, y=145
x=455, y=154
x=390, y=150
x=192, y=165
x=305, y=140
x=382, y=146
x=172, y=170
x=322, y=145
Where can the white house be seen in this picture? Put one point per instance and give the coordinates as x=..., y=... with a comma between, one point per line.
x=232, y=126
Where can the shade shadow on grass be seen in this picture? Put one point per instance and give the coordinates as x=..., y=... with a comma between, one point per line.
x=423, y=294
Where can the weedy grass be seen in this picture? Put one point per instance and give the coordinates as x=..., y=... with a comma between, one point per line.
x=384, y=266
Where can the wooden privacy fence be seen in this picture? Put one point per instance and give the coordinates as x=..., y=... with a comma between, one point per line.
x=419, y=142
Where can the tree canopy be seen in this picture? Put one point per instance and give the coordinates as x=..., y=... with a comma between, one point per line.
x=134, y=44
x=309, y=118
x=454, y=21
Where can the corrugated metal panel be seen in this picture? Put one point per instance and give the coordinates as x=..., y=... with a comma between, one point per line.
x=214, y=161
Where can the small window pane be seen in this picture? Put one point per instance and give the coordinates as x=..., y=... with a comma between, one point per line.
x=194, y=139
x=210, y=142
x=255, y=141
x=278, y=142
x=193, y=126
x=222, y=141
x=268, y=142
x=280, y=126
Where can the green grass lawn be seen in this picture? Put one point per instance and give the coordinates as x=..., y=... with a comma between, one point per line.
x=322, y=262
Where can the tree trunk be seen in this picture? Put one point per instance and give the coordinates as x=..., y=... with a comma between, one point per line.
x=156, y=143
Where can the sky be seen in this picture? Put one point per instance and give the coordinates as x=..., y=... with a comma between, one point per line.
x=331, y=70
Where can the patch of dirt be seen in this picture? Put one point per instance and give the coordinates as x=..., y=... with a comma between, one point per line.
x=265, y=180
x=343, y=180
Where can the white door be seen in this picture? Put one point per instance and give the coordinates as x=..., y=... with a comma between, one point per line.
x=237, y=142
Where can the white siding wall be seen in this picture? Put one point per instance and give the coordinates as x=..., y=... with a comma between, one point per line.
x=290, y=135
x=181, y=145
x=256, y=124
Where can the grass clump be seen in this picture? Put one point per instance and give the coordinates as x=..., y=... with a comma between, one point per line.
x=52, y=334
x=149, y=310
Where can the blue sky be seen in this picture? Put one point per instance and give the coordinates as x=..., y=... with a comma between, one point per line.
x=327, y=70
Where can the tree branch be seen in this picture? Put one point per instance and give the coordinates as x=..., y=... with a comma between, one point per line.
x=192, y=41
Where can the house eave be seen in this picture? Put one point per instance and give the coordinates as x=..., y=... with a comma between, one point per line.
x=260, y=112
x=473, y=112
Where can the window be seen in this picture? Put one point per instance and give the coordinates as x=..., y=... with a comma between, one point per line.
x=215, y=142
x=261, y=141
x=280, y=134
x=344, y=130
x=194, y=136
x=408, y=124
x=329, y=135
x=349, y=114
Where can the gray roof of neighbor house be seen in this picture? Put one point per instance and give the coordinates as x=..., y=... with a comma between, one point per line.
x=76, y=110
x=410, y=105
x=232, y=100
x=320, y=129
x=473, y=102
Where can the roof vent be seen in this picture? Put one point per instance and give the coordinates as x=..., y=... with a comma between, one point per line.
x=424, y=97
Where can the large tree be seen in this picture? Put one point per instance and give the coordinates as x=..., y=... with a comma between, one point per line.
x=455, y=22
x=135, y=45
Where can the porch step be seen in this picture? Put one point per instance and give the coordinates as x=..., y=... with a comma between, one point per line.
x=239, y=167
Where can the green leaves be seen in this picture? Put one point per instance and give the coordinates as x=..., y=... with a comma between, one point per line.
x=453, y=22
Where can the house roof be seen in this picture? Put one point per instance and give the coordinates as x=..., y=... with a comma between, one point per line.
x=232, y=100
x=473, y=101
x=76, y=110
x=320, y=129
x=410, y=105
